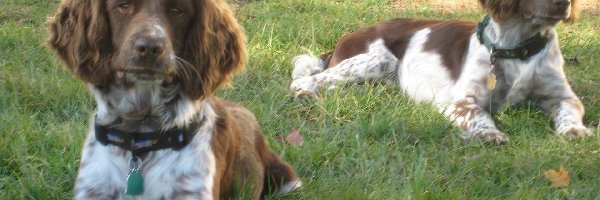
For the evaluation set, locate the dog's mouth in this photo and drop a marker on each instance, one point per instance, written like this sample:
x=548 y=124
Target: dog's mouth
x=136 y=70
x=544 y=18
x=143 y=75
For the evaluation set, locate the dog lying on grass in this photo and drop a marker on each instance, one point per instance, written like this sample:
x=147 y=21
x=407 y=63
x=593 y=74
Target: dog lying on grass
x=466 y=70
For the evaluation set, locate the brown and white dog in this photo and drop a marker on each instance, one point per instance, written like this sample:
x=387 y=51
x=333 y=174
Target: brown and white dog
x=158 y=132
x=467 y=70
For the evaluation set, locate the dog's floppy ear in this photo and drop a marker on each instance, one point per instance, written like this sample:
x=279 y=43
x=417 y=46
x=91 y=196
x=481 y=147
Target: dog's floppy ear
x=79 y=33
x=215 y=48
x=500 y=10
x=574 y=12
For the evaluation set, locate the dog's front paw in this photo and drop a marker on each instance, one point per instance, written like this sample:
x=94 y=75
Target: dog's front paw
x=304 y=88
x=491 y=136
x=573 y=132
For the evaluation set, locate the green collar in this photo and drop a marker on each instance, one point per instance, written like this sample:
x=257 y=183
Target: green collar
x=523 y=51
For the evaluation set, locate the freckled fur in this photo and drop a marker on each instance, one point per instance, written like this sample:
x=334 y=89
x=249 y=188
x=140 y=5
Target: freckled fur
x=168 y=86
x=443 y=62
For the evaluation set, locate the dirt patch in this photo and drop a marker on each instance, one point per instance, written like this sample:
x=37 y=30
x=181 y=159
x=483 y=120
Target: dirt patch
x=453 y=6
x=444 y=6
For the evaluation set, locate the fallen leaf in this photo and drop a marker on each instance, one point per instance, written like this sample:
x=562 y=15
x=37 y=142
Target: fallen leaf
x=295 y=138
x=558 y=178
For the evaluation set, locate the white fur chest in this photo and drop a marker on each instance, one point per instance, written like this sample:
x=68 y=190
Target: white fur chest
x=518 y=79
x=168 y=174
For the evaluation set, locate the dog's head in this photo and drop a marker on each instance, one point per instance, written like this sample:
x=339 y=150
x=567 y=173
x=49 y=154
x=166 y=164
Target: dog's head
x=542 y=12
x=197 y=44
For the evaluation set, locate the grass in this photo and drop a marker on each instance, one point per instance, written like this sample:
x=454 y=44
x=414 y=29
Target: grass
x=361 y=142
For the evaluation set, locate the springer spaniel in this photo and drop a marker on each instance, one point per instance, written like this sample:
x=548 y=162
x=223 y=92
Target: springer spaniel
x=466 y=70
x=158 y=132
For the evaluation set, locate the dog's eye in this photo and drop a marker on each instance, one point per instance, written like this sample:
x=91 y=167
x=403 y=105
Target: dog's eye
x=175 y=11
x=124 y=6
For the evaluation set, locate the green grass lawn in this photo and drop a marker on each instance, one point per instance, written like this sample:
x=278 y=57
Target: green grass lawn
x=360 y=142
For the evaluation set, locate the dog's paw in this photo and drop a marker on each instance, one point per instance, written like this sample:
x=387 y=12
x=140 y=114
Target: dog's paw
x=304 y=88
x=305 y=97
x=491 y=136
x=288 y=187
x=574 y=132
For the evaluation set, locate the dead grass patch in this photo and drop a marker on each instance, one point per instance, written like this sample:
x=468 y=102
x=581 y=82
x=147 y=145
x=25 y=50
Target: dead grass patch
x=454 y=6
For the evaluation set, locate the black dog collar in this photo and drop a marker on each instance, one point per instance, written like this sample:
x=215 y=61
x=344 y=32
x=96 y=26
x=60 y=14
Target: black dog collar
x=141 y=143
x=523 y=51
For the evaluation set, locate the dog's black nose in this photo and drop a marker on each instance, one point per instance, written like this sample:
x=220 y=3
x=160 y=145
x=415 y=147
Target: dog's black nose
x=562 y=3
x=149 y=46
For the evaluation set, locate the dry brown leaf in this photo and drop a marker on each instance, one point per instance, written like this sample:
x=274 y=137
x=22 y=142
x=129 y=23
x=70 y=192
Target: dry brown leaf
x=558 y=178
x=295 y=138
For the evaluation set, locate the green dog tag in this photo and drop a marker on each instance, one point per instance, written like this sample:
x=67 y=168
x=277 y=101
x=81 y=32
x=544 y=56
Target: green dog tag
x=135 y=183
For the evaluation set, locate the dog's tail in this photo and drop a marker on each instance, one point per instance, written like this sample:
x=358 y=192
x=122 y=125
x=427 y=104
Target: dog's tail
x=308 y=64
x=280 y=178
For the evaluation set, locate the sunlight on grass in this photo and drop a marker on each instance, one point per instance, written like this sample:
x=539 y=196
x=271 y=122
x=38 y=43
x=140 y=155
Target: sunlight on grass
x=457 y=6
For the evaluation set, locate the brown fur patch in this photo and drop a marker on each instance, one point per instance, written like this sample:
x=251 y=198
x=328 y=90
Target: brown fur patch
x=575 y=10
x=79 y=34
x=243 y=154
x=453 y=51
x=396 y=34
x=500 y=10
x=216 y=46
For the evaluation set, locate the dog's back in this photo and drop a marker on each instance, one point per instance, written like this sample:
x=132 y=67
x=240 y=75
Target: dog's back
x=253 y=157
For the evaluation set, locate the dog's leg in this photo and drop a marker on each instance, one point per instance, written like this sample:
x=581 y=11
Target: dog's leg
x=560 y=102
x=375 y=64
x=474 y=121
x=248 y=181
x=567 y=116
x=280 y=178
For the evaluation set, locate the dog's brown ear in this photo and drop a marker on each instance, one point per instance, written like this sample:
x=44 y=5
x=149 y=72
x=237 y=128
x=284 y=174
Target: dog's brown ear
x=80 y=34
x=574 y=12
x=500 y=10
x=215 y=47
